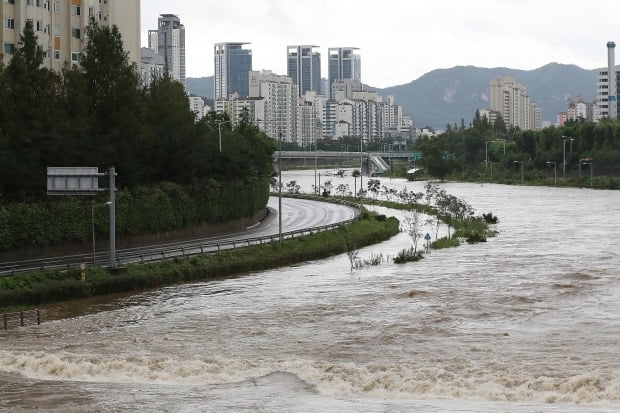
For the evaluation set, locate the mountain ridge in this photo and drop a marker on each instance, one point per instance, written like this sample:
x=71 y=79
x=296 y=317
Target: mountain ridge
x=447 y=95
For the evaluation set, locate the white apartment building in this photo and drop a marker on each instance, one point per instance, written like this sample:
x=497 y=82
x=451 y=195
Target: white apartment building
x=281 y=105
x=60 y=26
x=198 y=106
x=510 y=99
x=234 y=106
x=579 y=110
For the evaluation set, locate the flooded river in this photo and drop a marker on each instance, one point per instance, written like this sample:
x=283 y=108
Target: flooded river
x=527 y=322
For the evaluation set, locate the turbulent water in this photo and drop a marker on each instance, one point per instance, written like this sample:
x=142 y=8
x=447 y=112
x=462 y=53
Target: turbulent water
x=527 y=322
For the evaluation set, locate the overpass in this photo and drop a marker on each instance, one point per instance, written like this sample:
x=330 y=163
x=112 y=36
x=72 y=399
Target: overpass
x=373 y=162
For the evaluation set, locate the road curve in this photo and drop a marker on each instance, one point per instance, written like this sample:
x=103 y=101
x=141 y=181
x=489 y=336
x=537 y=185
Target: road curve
x=297 y=215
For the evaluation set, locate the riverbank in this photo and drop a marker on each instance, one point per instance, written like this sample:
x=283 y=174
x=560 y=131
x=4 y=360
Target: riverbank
x=32 y=289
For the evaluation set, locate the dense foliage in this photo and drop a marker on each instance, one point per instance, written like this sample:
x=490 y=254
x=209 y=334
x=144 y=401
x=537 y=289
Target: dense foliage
x=462 y=151
x=99 y=115
x=148 y=209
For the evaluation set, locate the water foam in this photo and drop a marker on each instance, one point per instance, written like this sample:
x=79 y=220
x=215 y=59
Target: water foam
x=403 y=381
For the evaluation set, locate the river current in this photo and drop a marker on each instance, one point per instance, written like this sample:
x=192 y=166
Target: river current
x=526 y=322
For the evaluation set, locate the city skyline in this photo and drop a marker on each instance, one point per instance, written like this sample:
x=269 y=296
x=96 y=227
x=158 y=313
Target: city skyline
x=519 y=35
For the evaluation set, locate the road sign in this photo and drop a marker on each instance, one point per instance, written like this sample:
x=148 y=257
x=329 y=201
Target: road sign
x=427 y=236
x=73 y=181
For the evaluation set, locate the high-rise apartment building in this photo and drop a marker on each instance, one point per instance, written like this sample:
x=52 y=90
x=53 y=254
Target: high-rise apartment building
x=281 y=104
x=510 y=99
x=169 y=41
x=233 y=64
x=345 y=66
x=60 y=26
x=607 y=87
x=304 y=67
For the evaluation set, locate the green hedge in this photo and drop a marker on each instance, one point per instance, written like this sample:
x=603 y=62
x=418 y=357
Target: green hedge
x=52 y=286
x=149 y=209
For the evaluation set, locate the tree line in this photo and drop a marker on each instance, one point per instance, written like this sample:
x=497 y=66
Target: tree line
x=470 y=150
x=98 y=114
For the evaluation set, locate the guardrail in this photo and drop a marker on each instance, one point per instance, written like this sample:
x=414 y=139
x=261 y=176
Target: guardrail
x=148 y=254
x=20 y=319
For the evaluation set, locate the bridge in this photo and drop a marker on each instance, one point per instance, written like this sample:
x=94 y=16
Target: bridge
x=373 y=162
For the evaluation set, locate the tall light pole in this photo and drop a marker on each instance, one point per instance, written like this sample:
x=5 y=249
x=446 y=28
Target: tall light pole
x=564 y=153
x=555 y=172
x=280 y=185
x=92 y=227
x=486 y=156
x=219 y=130
x=521 y=170
x=112 y=204
x=316 y=189
x=361 y=165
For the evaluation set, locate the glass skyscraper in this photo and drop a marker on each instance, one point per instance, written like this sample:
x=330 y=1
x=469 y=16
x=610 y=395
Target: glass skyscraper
x=232 y=66
x=344 y=65
x=304 y=67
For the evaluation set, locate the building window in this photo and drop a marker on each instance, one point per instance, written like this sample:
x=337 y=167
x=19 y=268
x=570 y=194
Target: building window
x=57 y=54
x=75 y=33
x=56 y=7
x=40 y=25
x=39 y=3
x=9 y=48
x=75 y=10
x=29 y=2
x=9 y=23
x=9 y=1
x=75 y=57
x=56 y=30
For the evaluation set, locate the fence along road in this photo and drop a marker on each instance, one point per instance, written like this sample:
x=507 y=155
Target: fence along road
x=299 y=217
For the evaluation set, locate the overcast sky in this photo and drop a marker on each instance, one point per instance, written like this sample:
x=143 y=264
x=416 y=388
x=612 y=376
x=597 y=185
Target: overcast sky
x=399 y=40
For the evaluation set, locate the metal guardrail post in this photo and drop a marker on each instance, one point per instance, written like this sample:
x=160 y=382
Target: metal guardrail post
x=21 y=318
x=38 y=317
x=5 y=322
x=218 y=246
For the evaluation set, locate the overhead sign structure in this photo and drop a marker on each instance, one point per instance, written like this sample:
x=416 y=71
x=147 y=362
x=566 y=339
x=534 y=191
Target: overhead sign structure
x=73 y=181
x=85 y=181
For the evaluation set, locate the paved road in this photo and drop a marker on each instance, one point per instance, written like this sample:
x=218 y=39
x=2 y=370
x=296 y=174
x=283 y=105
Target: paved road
x=297 y=215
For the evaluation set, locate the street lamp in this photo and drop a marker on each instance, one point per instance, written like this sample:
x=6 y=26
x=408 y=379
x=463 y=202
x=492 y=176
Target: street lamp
x=564 y=153
x=555 y=172
x=92 y=226
x=521 y=170
x=219 y=130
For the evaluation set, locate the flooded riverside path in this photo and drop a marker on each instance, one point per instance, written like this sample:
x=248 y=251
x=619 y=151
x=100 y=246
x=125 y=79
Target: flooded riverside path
x=527 y=322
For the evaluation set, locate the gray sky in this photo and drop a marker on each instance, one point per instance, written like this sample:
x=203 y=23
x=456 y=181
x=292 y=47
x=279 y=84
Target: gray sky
x=399 y=40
